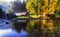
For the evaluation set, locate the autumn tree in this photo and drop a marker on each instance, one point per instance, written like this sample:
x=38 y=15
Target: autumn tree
x=57 y=12
x=41 y=7
x=32 y=7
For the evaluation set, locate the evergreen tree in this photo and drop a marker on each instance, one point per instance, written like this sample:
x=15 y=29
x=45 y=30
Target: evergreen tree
x=19 y=7
x=2 y=14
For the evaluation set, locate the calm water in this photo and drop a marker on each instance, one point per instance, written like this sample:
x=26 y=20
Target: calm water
x=30 y=28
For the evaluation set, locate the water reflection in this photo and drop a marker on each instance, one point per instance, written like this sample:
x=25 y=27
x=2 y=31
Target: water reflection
x=31 y=28
x=19 y=25
x=43 y=28
x=17 y=29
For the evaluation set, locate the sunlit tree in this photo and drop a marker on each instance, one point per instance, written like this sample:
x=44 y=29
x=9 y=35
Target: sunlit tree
x=41 y=7
x=32 y=7
x=57 y=12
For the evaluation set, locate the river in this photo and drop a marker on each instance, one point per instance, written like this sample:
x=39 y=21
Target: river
x=34 y=28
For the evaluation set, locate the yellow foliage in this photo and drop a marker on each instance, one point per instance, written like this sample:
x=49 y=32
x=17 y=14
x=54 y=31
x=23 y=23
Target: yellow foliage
x=32 y=6
x=41 y=6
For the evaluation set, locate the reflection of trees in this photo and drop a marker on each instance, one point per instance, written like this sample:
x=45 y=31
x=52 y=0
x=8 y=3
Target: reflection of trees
x=35 y=28
x=31 y=24
x=18 y=26
x=48 y=28
x=57 y=27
